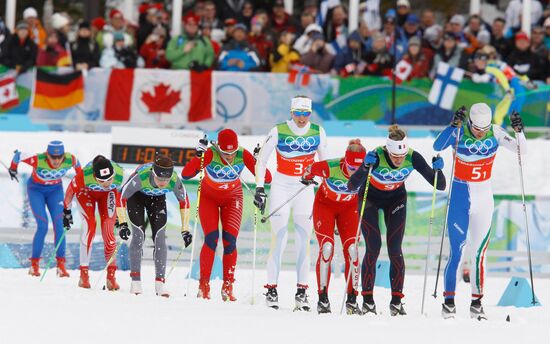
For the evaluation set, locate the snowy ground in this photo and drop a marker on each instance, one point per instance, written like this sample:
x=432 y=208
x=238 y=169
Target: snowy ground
x=57 y=311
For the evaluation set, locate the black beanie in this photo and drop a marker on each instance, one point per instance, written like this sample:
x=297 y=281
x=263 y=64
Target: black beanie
x=103 y=169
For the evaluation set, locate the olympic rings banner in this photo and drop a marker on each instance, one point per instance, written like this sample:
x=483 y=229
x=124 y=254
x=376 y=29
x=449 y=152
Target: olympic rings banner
x=253 y=102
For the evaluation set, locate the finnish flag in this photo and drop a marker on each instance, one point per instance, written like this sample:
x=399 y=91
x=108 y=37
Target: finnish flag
x=445 y=86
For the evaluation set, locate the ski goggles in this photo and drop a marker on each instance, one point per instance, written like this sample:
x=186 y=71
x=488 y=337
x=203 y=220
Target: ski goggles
x=477 y=128
x=303 y=113
x=164 y=174
x=55 y=157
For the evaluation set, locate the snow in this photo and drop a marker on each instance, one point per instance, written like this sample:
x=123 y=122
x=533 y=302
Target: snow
x=57 y=311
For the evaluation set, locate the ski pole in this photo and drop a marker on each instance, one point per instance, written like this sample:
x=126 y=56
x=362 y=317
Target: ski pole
x=7 y=168
x=111 y=258
x=255 y=229
x=429 y=243
x=54 y=253
x=265 y=218
x=357 y=234
x=533 y=300
x=445 y=224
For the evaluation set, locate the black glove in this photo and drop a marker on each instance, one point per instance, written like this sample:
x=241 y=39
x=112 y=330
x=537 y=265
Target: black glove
x=458 y=117
x=187 y=238
x=67 y=219
x=307 y=182
x=197 y=67
x=124 y=231
x=202 y=146
x=257 y=150
x=13 y=174
x=516 y=121
x=260 y=199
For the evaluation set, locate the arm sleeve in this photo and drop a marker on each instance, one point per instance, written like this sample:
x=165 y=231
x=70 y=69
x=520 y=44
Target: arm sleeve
x=446 y=138
x=322 y=150
x=499 y=75
x=181 y=194
x=420 y=164
x=319 y=169
x=173 y=50
x=359 y=177
x=508 y=141
x=263 y=157
x=250 y=163
x=193 y=167
x=132 y=186
x=76 y=165
x=19 y=157
x=69 y=193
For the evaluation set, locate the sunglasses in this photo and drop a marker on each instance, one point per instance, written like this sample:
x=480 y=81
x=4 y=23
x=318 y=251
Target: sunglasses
x=56 y=157
x=162 y=179
x=301 y=113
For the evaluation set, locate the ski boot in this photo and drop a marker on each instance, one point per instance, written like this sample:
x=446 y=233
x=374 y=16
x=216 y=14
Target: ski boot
x=159 y=288
x=302 y=303
x=271 y=297
x=204 y=290
x=476 y=310
x=61 y=271
x=351 y=305
x=111 y=283
x=135 y=288
x=227 y=291
x=84 y=281
x=323 y=305
x=34 y=270
x=449 y=310
x=397 y=309
x=369 y=307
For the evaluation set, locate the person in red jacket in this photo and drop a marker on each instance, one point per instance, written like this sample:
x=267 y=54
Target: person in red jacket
x=417 y=57
x=153 y=50
x=335 y=204
x=221 y=199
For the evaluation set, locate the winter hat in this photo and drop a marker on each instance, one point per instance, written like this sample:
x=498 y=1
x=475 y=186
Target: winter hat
x=484 y=37
x=240 y=26
x=300 y=103
x=59 y=20
x=227 y=141
x=163 y=167
x=84 y=25
x=118 y=36
x=191 y=18
x=56 y=148
x=115 y=12
x=480 y=116
x=98 y=23
x=22 y=26
x=30 y=12
x=521 y=35
x=458 y=19
x=412 y=19
x=103 y=168
x=414 y=40
x=313 y=28
x=404 y=3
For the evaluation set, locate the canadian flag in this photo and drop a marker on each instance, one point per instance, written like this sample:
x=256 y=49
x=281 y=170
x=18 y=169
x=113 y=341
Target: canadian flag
x=402 y=71
x=8 y=92
x=159 y=96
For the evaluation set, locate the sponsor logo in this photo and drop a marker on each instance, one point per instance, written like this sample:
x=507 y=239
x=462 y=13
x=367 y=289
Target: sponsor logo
x=399 y=207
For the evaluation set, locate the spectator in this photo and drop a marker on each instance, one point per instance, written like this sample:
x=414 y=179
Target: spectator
x=417 y=59
x=147 y=25
x=20 y=52
x=547 y=32
x=318 y=58
x=432 y=39
x=388 y=29
x=118 y=55
x=311 y=7
x=476 y=29
x=403 y=11
x=502 y=44
x=247 y=13
x=260 y=43
x=53 y=54
x=514 y=12
x=190 y=50
x=281 y=20
x=267 y=30
x=238 y=55
x=364 y=33
x=284 y=56
x=303 y=43
x=229 y=9
x=351 y=60
x=379 y=60
x=60 y=23
x=105 y=38
x=427 y=20
x=336 y=29
x=153 y=50
x=466 y=41
x=449 y=52
x=228 y=24
x=369 y=13
x=36 y=31
x=210 y=19
x=214 y=35
x=523 y=60
x=85 y=50
x=411 y=28
x=5 y=37
x=537 y=44
x=306 y=19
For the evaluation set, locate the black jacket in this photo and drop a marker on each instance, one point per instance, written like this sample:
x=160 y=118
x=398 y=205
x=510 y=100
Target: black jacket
x=20 y=53
x=85 y=50
x=526 y=63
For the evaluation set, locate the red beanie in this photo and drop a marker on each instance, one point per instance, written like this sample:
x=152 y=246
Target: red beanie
x=521 y=35
x=228 y=141
x=98 y=23
x=115 y=12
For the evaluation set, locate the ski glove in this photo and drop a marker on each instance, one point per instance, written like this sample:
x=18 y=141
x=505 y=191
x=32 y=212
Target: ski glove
x=13 y=174
x=306 y=181
x=260 y=199
x=371 y=158
x=458 y=117
x=124 y=231
x=67 y=219
x=202 y=146
x=517 y=122
x=437 y=163
x=187 y=238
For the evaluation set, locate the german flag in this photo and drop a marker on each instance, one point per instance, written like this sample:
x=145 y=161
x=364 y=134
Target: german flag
x=58 y=91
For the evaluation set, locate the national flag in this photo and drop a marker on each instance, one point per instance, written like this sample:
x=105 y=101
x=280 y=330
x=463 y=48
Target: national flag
x=402 y=71
x=299 y=74
x=159 y=96
x=445 y=86
x=8 y=92
x=58 y=91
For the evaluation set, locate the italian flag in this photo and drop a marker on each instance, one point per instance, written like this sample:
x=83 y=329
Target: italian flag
x=159 y=96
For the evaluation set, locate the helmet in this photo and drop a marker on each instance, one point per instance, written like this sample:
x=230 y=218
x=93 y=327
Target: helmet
x=228 y=141
x=480 y=116
x=102 y=167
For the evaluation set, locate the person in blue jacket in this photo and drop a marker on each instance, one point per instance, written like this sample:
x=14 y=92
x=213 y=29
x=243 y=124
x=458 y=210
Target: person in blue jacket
x=238 y=55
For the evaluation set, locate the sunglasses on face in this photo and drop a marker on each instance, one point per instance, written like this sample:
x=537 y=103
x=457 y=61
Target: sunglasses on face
x=56 y=157
x=302 y=113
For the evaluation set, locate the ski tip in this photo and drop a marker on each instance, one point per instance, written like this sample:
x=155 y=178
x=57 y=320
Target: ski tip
x=508 y=318
x=103 y=287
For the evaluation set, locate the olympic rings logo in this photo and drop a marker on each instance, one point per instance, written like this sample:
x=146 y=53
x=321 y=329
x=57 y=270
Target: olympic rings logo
x=155 y=192
x=478 y=146
x=96 y=187
x=51 y=174
x=300 y=143
x=339 y=185
x=226 y=172
x=394 y=175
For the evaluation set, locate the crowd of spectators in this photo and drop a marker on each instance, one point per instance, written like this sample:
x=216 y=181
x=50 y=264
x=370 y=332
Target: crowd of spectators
x=236 y=36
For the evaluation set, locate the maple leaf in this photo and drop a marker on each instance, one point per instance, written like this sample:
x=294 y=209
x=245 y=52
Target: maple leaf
x=162 y=99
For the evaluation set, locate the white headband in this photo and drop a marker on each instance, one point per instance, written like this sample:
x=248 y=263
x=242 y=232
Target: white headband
x=300 y=103
x=397 y=148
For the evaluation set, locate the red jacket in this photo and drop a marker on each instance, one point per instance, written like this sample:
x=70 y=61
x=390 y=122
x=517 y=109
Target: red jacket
x=420 y=66
x=150 y=53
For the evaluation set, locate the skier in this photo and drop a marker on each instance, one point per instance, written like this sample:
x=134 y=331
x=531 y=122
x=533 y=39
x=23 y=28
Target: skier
x=99 y=182
x=296 y=141
x=221 y=199
x=471 y=204
x=45 y=188
x=334 y=205
x=146 y=191
x=391 y=165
